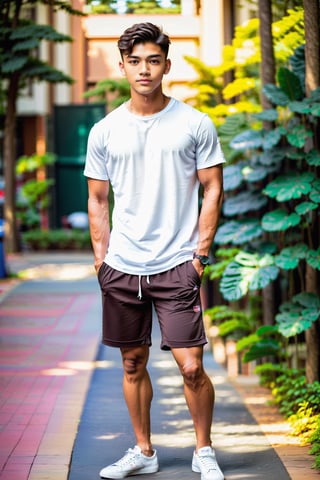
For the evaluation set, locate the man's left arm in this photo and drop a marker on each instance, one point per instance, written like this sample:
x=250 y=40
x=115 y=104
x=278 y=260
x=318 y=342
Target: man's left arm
x=211 y=179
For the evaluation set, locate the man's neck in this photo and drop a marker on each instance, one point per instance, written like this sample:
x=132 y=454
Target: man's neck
x=145 y=105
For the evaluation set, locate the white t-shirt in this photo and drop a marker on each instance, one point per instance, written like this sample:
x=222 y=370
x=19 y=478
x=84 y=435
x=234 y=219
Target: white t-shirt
x=151 y=163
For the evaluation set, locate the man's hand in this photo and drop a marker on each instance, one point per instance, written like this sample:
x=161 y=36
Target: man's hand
x=199 y=268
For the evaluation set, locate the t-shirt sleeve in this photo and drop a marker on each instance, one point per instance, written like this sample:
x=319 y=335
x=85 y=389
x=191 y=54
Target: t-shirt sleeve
x=208 y=148
x=96 y=166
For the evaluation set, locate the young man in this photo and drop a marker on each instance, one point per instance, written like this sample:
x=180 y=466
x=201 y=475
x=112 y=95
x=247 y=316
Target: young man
x=155 y=151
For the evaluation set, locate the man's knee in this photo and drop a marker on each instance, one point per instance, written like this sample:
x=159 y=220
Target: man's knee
x=193 y=374
x=134 y=361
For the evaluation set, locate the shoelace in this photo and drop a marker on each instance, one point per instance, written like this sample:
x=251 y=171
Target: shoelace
x=127 y=458
x=208 y=462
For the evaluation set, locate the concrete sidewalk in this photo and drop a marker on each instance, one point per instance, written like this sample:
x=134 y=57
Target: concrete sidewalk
x=62 y=412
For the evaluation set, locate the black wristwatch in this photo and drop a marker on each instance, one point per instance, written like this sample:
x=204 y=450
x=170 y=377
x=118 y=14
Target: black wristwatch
x=204 y=260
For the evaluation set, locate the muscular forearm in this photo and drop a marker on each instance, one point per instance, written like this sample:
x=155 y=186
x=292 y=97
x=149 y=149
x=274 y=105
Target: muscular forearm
x=98 y=212
x=208 y=219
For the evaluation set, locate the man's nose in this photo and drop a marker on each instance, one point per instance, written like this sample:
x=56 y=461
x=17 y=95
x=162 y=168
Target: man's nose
x=144 y=68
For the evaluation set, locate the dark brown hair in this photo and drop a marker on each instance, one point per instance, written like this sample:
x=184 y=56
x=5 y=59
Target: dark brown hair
x=143 y=33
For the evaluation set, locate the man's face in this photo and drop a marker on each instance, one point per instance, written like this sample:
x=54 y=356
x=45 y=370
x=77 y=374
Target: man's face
x=144 y=67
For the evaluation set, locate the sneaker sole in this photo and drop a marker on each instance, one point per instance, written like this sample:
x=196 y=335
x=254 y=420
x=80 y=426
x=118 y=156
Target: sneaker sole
x=141 y=471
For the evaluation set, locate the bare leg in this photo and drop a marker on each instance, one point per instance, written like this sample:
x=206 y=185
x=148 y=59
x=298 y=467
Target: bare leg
x=198 y=390
x=138 y=393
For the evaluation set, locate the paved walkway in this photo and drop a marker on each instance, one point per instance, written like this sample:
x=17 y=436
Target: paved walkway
x=61 y=409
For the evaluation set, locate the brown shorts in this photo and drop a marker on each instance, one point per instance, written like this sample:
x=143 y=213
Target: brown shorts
x=127 y=302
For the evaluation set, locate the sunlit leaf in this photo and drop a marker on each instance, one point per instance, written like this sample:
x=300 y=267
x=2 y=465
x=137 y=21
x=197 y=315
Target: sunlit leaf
x=294 y=185
x=289 y=257
x=279 y=220
x=247 y=140
x=305 y=207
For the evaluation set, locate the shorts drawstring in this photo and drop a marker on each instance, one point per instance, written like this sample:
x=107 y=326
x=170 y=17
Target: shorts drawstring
x=140 y=288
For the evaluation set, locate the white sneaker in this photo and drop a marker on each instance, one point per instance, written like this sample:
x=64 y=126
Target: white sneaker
x=205 y=462
x=134 y=462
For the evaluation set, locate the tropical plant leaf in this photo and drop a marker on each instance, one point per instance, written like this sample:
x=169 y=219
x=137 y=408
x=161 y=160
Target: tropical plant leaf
x=271 y=115
x=238 y=232
x=313 y=158
x=299 y=107
x=298 y=65
x=289 y=257
x=272 y=157
x=243 y=202
x=298 y=135
x=307 y=299
x=248 y=139
x=276 y=95
x=14 y=64
x=271 y=139
x=294 y=322
x=232 y=177
x=255 y=174
x=294 y=185
x=290 y=83
x=315 y=109
x=313 y=258
x=253 y=273
x=264 y=348
x=305 y=207
x=279 y=220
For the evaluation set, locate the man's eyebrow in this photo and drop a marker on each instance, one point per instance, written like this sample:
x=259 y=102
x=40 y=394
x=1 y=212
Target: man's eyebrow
x=156 y=55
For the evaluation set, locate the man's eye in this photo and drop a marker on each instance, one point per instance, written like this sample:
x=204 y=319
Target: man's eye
x=154 y=62
x=133 y=62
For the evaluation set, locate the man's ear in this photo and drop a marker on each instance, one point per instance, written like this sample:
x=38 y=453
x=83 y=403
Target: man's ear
x=168 y=66
x=121 y=67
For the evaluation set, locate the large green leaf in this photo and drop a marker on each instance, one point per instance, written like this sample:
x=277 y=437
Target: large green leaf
x=313 y=258
x=264 y=348
x=243 y=202
x=307 y=299
x=299 y=107
x=315 y=109
x=255 y=174
x=294 y=185
x=232 y=177
x=305 y=207
x=290 y=83
x=298 y=64
x=14 y=64
x=238 y=232
x=279 y=220
x=247 y=140
x=298 y=135
x=292 y=322
x=253 y=273
x=313 y=158
x=276 y=95
x=289 y=257
x=270 y=115
x=272 y=157
x=271 y=139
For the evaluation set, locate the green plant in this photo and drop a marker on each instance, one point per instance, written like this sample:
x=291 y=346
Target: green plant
x=33 y=196
x=57 y=239
x=315 y=441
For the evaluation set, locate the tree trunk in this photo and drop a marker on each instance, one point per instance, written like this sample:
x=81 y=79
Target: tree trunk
x=9 y=159
x=312 y=53
x=267 y=68
x=266 y=44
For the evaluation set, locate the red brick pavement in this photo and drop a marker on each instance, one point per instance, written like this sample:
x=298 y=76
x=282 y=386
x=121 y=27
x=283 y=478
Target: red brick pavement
x=46 y=358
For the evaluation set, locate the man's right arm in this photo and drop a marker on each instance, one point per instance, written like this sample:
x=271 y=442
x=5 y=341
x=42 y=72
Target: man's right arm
x=98 y=213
